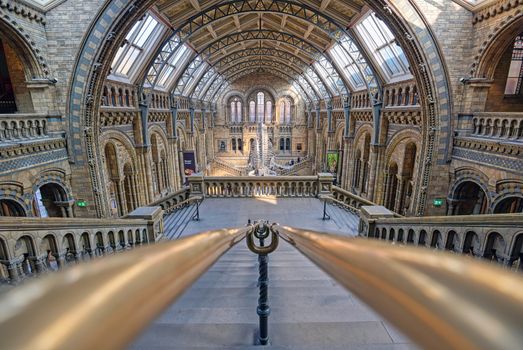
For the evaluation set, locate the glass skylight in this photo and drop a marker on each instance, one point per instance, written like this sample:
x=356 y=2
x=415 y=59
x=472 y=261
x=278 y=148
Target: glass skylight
x=140 y=37
x=381 y=43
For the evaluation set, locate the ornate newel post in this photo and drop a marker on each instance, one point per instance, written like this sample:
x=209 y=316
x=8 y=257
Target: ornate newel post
x=325 y=184
x=154 y=217
x=196 y=186
x=369 y=215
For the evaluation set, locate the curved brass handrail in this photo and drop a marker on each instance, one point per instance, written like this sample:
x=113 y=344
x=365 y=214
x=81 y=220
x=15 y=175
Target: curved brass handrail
x=440 y=300
x=105 y=303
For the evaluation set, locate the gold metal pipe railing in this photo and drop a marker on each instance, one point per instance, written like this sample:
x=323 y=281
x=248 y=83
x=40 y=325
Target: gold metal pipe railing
x=105 y=303
x=440 y=300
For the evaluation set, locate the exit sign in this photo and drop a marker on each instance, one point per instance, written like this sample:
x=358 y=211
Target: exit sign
x=438 y=202
x=81 y=203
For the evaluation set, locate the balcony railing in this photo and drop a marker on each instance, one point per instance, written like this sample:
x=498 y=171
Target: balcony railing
x=496 y=237
x=497 y=125
x=260 y=186
x=20 y=127
x=439 y=300
x=30 y=246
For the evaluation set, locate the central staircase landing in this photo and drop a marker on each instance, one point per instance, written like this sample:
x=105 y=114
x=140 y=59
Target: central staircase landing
x=308 y=309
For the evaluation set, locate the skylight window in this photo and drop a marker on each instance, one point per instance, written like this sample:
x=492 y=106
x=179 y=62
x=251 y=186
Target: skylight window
x=135 y=45
x=173 y=66
x=383 y=46
x=515 y=72
x=348 y=67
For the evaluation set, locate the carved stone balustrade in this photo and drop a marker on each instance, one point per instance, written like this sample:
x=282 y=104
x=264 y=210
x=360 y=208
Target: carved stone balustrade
x=21 y=127
x=30 y=246
x=260 y=186
x=495 y=125
x=496 y=237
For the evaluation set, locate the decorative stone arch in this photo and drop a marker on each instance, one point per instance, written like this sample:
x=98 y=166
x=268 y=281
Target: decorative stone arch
x=501 y=197
x=470 y=174
x=116 y=18
x=338 y=135
x=35 y=65
x=156 y=129
x=252 y=91
x=458 y=182
x=230 y=94
x=56 y=176
x=400 y=137
x=14 y=191
x=125 y=140
x=501 y=36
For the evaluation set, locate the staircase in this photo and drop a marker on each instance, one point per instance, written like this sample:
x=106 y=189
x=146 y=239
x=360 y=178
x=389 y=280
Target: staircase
x=303 y=164
x=227 y=168
x=308 y=309
x=175 y=223
x=343 y=219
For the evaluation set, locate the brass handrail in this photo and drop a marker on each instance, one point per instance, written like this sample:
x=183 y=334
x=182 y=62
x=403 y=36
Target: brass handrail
x=440 y=300
x=105 y=303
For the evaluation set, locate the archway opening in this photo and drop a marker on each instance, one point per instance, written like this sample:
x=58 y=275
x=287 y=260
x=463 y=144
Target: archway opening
x=470 y=199
x=51 y=201
x=10 y=207
x=509 y=205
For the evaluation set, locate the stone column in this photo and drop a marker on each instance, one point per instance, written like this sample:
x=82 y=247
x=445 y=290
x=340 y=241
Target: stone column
x=13 y=269
x=386 y=190
x=376 y=156
x=123 y=201
x=399 y=194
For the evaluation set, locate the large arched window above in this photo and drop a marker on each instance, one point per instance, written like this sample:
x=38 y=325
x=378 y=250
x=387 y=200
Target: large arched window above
x=252 y=111
x=136 y=45
x=268 y=112
x=285 y=111
x=515 y=72
x=235 y=110
x=260 y=106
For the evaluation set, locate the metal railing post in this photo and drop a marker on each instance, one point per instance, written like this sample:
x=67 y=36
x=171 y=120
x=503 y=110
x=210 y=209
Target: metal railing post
x=325 y=215
x=261 y=231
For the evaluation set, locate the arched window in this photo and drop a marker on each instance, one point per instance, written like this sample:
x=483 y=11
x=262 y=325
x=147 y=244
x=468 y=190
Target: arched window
x=252 y=111
x=260 y=106
x=282 y=112
x=234 y=144
x=233 y=111
x=236 y=110
x=287 y=112
x=268 y=112
x=239 y=116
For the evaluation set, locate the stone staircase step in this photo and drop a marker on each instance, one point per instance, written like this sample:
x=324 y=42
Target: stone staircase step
x=299 y=335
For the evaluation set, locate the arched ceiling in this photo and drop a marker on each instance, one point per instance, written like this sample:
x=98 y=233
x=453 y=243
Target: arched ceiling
x=292 y=37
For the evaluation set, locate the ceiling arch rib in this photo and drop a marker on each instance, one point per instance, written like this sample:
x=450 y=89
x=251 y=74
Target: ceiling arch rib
x=270 y=36
x=233 y=8
x=307 y=94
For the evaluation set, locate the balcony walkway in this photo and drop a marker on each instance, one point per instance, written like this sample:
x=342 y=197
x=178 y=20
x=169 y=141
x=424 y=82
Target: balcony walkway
x=308 y=309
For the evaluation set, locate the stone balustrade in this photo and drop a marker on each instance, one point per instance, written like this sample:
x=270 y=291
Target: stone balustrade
x=20 y=127
x=498 y=125
x=29 y=246
x=494 y=237
x=172 y=201
x=349 y=198
x=260 y=186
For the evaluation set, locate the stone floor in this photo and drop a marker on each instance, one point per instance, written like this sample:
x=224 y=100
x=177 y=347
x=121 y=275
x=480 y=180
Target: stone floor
x=308 y=309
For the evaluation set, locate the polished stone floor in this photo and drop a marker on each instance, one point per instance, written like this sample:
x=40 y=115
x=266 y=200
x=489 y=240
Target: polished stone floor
x=309 y=310
x=298 y=212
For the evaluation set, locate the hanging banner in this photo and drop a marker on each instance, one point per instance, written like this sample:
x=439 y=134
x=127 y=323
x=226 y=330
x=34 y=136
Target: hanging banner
x=332 y=162
x=189 y=163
